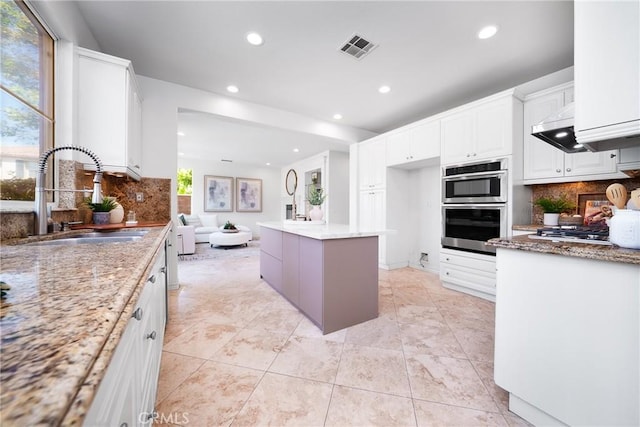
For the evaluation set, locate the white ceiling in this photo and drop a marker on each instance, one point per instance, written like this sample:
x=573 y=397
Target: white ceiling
x=428 y=53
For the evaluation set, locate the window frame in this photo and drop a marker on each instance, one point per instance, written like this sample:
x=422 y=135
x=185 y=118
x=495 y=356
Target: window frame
x=47 y=44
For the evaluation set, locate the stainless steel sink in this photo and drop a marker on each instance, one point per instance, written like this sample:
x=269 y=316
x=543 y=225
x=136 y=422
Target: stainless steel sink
x=96 y=237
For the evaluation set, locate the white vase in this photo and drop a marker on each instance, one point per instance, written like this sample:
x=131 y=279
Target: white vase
x=316 y=213
x=551 y=218
x=116 y=215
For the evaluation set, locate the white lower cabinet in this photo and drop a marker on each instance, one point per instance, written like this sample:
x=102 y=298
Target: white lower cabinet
x=127 y=392
x=567 y=338
x=468 y=272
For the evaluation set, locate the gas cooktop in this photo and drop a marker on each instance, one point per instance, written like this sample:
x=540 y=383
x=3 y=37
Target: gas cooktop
x=598 y=235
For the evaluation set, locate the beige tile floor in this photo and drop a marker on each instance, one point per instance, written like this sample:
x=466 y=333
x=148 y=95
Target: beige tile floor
x=237 y=353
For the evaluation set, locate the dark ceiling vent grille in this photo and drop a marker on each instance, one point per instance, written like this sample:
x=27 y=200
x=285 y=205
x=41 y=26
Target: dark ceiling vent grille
x=357 y=47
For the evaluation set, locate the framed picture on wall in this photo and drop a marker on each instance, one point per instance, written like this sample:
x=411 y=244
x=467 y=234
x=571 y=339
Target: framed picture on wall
x=248 y=195
x=218 y=193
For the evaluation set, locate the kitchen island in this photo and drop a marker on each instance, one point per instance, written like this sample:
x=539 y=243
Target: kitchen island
x=567 y=342
x=64 y=317
x=329 y=272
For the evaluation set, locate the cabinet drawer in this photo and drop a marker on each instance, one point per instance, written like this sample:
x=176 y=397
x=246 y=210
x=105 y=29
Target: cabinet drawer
x=271 y=270
x=468 y=262
x=468 y=278
x=271 y=242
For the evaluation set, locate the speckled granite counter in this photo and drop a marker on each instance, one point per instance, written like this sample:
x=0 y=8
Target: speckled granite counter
x=527 y=227
x=63 y=317
x=580 y=250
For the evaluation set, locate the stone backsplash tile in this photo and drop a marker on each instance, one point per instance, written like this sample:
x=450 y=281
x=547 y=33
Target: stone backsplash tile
x=573 y=189
x=156 y=206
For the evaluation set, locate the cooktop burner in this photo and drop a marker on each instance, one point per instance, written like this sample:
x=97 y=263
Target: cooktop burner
x=576 y=234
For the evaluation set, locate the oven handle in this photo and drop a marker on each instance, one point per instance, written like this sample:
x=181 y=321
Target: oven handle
x=474 y=205
x=499 y=173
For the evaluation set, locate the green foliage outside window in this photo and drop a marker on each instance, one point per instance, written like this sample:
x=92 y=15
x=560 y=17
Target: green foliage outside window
x=185 y=181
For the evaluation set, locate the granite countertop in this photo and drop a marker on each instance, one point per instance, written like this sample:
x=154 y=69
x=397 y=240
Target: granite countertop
x=320 y=231
x=611 y=253
x=527 y=227
x=61 y=320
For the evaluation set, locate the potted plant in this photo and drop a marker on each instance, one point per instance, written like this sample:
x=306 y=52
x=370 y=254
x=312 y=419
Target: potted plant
x=229 y=227
x=316 y=197
x=101 y=211
x=552 y=207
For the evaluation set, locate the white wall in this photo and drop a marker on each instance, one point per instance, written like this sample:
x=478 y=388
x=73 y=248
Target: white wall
x=334 y=168
x=425 y=212
x=270 y=190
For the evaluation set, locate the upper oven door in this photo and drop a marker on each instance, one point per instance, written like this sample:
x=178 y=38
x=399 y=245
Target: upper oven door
x=482 y=187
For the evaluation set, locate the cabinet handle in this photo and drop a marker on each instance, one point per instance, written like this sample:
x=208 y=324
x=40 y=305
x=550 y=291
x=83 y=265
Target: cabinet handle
x=447 y=258
x=163 y=270
x=468 y=155
x=612 y=155
x=558 y=170
x=124 y=425
x=152 y=279
x=152 y=335
x=136 y=166
x=568 y=169
x=137 y=314
x=447 y=273
x=475 y=154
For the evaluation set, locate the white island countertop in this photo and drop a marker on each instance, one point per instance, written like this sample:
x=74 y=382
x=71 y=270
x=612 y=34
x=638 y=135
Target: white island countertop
x=321 y=231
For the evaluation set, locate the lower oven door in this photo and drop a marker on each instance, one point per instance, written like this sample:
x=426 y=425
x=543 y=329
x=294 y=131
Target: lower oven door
x=468 y=227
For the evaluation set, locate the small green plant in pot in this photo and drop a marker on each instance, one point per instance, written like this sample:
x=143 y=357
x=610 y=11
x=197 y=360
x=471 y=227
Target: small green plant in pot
x=229 y=227
x=552 y=207
x=316 y=197
x=101 y=210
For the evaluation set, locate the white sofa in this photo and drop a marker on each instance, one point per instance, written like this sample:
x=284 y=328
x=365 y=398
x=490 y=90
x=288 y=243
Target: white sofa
x=203 y=224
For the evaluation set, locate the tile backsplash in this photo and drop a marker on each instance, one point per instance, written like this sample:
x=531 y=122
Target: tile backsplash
x=572 y=190
x=156 y=206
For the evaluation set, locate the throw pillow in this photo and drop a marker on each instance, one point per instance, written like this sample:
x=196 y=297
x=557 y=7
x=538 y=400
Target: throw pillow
x=209 y=220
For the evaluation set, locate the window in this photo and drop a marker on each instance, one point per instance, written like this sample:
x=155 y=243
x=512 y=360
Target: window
x=26 y=103
x=185 y=181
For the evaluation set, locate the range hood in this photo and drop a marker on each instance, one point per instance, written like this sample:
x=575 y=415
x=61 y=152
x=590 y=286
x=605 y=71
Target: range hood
x=557 y=130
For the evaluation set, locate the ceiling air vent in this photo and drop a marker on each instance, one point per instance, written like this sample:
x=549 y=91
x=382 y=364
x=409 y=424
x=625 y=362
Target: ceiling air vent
x=357 y=47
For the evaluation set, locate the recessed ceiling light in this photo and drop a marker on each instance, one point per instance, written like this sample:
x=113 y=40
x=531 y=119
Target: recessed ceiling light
x=337 y=116
x=254 y=39
x=180 y=153
x=268 y=164
x=561 y=134
x=578 y=146
x=384 y=89
x=487 y=32
x=180 y=133
x=295 y=150
x=232 y=89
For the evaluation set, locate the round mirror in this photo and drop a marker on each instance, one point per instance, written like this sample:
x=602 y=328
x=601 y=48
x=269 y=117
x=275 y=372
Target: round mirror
x=291 y=182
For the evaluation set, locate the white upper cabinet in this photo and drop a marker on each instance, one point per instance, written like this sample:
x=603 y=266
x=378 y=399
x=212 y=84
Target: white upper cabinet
x=372 y=163
x=607 y=72
x=481 y=130
x=109 y=112
x=543 y=163
x=542 y=160
x=413 y=144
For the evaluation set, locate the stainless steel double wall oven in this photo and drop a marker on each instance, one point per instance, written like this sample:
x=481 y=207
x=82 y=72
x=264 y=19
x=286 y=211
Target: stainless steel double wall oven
x=474 y=205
